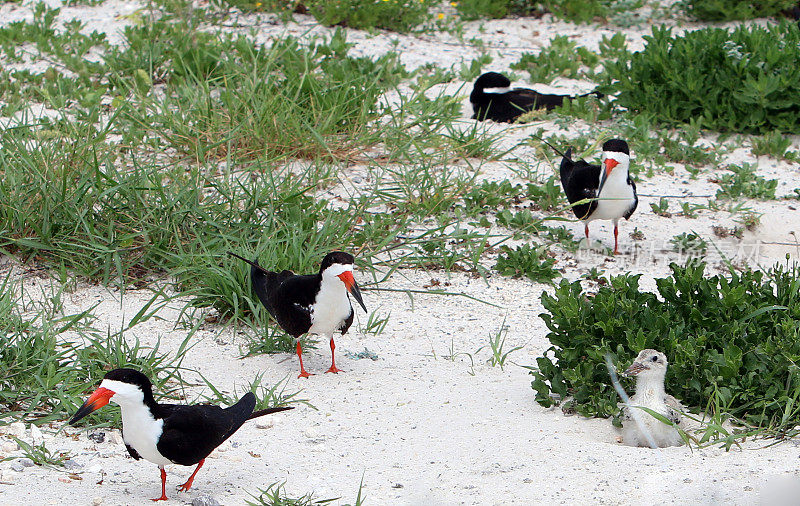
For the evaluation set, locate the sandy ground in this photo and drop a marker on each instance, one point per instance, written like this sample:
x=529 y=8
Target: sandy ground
x=429 y=422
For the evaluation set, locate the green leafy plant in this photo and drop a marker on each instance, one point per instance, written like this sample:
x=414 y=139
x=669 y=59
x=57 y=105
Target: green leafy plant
x=562 y=57
x=743 y=182
x=773 y=144
x=690 y=210
x=475 y=9
x=733 y=337
x=396 y=15
x=497 y=342
x=689 y=243
x=533 y=262
x=41 y=455
x=661 y=208
x=728 y=10
x=744 y=80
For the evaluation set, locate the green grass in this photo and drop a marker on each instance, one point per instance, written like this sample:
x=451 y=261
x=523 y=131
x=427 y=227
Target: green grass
x=44 y=376
x=275 y=495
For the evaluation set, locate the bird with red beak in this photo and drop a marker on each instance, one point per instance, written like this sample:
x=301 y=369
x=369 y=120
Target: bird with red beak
x=310 y=304
x=609 y=189
x=168 y=433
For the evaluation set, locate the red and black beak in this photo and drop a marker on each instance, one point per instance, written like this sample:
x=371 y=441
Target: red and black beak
x=609 y=163
x=352 y=287
x=97 y=400
x=635 y=369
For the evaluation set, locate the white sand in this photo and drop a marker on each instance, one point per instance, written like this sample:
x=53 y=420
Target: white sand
x=421 y=428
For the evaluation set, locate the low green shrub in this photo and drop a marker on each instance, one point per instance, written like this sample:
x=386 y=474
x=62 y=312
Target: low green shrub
x=744 y=80
x=533 y=262
x=743 y=182
x=563 y=57
x=577 y=11
x=475 y=9
x=734 y=340
x=728 y=10
x=396 y=15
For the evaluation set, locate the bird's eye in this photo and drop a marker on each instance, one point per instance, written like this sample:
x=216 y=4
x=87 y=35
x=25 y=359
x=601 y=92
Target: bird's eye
x=655 y=358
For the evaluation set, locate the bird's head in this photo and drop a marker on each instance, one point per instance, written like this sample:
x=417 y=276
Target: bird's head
x=338 y=267
x=122 y=386
x=649 y=364
x=616 y=158
x=493 y=82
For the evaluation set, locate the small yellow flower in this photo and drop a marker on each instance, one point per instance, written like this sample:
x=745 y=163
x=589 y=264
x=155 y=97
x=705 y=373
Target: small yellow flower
x=258 y=4
x=453 y=4
x=441 y=16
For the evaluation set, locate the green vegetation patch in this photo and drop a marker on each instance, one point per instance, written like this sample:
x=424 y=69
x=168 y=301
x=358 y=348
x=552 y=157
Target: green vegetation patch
x=744 y=80
x=396 y=15
x=729 y=10
x=731 y=342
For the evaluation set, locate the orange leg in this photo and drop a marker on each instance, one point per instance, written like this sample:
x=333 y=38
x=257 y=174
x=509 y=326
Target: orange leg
x=333 y=367
x=616 y=234
x=186 y=486
x=303 y=372
x=163 y=486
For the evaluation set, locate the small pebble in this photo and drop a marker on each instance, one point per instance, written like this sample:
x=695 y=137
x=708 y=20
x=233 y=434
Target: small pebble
x=97 y=501
x=115 y=438
x=70 y=464
x=7 y=476
x=205 y=500
x=64 y=480
x=311 y=433
x=17 y=466
x=95 y=469
x=266 y=422
x=36 y=435
x=97 y=437
x=26 y=462
x=16 y=429
x=9 y=446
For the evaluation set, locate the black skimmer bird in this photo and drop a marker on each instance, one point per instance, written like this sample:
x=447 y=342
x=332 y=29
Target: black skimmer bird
x=611 y=189
x=314 y=303
x=168 y=433
x=650 y=368
x=492 y=98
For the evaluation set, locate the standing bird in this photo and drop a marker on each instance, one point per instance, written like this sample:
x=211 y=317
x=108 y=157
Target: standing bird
x=314 y=303
x=650 y=367
x=492 y=98
x=611 y=188
x=168 y=433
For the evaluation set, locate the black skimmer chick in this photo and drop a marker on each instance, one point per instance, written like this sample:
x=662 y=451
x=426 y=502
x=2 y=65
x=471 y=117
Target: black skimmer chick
x=611 y=188
x=650 y=367
x=168 y=433
x=314 y=303
x=492 y=98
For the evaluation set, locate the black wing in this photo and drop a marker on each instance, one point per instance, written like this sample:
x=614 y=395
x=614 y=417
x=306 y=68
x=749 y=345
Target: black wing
x=580 y=181
x=502 y=107
x=191 y=433
x=286 y=296
x=132 y=452
x=630 y=211
x=291 y=299
x=529 y=99
x=348 y=321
